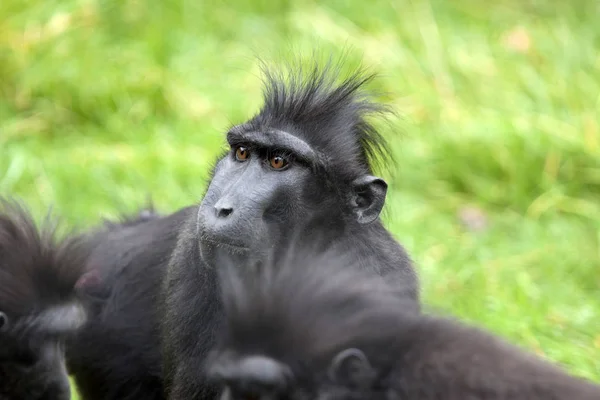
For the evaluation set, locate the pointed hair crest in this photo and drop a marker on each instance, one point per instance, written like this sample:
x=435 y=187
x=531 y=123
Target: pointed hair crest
x=332 y=116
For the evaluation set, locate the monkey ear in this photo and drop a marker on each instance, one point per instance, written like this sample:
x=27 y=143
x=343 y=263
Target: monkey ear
x=350 y=367
x=89 y=279
x=368 y=198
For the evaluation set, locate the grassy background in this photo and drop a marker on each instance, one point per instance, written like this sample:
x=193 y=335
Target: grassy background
x=105 y=102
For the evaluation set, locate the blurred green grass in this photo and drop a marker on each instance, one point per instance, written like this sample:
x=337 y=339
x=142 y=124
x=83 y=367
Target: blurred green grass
x=105 y=102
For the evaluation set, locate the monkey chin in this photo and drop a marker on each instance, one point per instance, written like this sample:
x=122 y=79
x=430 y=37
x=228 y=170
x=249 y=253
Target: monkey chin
x=216 y=247
x=215 y=252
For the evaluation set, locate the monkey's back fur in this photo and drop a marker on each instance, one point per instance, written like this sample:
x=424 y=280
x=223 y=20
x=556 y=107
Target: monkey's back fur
x=305 y=308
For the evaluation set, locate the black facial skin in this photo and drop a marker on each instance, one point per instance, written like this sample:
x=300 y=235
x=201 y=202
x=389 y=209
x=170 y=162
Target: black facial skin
x=310 y=325
x=39 y=306
x=307 y=152
x=253 y=188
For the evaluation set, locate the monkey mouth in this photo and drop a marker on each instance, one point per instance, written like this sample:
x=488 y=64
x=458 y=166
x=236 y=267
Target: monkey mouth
x=224 y=243
x=209 y=237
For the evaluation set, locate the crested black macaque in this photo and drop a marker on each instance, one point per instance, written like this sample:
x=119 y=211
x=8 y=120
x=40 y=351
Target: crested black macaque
x=310 y=325
x=308 y=150
x=39 y=305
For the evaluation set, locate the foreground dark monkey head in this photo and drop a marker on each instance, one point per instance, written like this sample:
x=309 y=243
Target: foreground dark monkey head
x=295 y=319
x=305 y=326
x=39 y=307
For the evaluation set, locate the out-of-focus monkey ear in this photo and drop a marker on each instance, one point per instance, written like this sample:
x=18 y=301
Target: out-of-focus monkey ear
x=90 y=280
x=351 y=367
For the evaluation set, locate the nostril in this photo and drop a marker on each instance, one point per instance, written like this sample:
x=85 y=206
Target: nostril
x=224 y=212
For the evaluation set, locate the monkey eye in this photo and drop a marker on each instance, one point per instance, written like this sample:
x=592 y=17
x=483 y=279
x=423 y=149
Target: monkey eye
x=3 y=321
x=242 y=153
x=278 y=161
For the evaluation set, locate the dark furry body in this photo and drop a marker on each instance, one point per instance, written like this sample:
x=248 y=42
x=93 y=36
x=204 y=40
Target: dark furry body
x=302 y=311
x=39 y=305
x=340 y=146
x=117 y=354
x=161 y=289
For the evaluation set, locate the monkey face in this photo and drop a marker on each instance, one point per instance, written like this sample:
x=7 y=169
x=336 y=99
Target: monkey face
x=39 y=305
x=256 y=193
x=253 y=377
x=32 y=363
x=348 y=376
x=271 y=181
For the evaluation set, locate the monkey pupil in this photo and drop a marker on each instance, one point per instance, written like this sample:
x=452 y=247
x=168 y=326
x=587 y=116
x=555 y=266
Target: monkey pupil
x=277 y=162
x=241 y=153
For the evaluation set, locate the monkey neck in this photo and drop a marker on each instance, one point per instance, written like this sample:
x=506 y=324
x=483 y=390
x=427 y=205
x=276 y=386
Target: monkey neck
x=372 y=244
x=375 y=248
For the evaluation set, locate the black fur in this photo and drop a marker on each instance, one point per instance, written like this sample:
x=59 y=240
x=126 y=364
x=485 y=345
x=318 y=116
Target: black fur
x=147 y=214
x=309 y=325
x=321 y=127
x=39 y=305
x=161 y=274
x=117 y=354
x=332 y=117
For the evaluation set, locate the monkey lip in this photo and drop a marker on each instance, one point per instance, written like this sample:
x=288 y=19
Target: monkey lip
x=223 y=242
